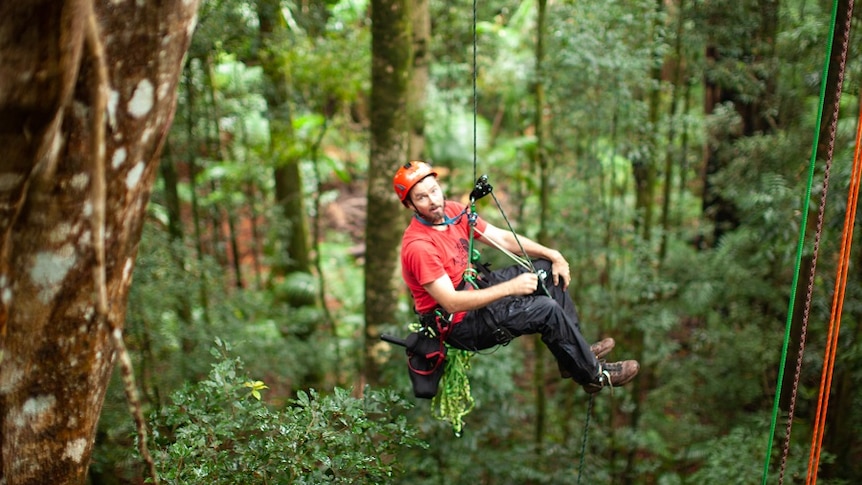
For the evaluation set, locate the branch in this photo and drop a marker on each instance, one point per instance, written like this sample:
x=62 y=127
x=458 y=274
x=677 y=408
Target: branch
x=98 y=196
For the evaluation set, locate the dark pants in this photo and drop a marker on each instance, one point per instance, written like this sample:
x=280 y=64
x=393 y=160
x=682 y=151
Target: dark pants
x=554 y=317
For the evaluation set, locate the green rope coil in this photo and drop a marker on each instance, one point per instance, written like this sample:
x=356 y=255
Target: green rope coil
x=454 y=401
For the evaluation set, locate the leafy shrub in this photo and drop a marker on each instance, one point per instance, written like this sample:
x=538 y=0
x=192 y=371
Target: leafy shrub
x=219 y=431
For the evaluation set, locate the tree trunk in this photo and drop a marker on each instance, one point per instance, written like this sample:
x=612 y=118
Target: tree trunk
x=172 y=195
x=541 y=164
x=667 y=186
x=645 y=187
x=419 y=78
x=390 y=73
x=754 y=51
x=170 y=178
x=56 y=346
x=256 y=243
x=191 y=98
x=288 y=180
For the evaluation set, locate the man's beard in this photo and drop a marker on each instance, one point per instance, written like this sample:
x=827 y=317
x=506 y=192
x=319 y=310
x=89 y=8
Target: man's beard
x=436 y=215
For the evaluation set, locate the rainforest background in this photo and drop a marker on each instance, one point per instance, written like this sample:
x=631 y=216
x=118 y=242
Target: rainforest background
x=664 y=147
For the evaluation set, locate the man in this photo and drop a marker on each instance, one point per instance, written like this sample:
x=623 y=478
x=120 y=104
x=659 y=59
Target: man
x=504 y=304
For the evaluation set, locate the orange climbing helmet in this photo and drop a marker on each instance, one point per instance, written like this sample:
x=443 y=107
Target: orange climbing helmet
x=409 y=175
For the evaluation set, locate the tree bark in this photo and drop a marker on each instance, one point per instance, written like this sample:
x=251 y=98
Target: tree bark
x=56 y=349
x=644 y=164
x=541 y=164
x=390 y=73
x=171 y=179
x=288 y=179
x=419 y=77
x=667 y=186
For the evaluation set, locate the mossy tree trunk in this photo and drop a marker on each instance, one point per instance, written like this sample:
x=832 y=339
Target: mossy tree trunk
x=390 y=75
x=288 y=179
x=541 y=165
x=419 y=77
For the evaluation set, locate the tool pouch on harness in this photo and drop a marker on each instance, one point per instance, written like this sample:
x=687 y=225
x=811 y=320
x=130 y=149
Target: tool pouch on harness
x=426 y=360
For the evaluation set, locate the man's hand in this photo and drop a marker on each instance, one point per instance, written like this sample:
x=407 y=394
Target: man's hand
x=523 y=284
x=560 y=271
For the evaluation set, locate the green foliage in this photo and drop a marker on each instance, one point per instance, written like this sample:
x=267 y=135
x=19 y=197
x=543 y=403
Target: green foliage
x=706 y=320
x=454 y=400
x=216 y=432
x=736 y=457
x=298 y=289
x=223 y=25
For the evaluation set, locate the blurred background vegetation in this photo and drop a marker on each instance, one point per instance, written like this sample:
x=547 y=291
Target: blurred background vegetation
x=663 y=147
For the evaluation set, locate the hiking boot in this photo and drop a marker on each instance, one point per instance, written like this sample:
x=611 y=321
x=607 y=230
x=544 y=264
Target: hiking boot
x=613 y=374
x=600 y=349
x=603 y=347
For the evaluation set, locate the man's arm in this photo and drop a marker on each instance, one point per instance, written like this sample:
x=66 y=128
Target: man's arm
x=454 y=301
x=507 y=240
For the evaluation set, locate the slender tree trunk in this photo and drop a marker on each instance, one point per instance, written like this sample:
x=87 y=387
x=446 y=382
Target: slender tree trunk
x=419 y=77
x=671 y=134
x=683 y=150
x=233 y=242
x=390 y=73
x=541 y=164
x=170 y=178
x=191 y=98
x=58 y=247
x=645 y=187
x=221 y=153
x=644 y=164
x=317 y=230
x=256 y=243
x=288 y=179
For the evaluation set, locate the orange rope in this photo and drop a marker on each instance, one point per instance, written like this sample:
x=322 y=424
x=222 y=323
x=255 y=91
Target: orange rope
x=837 y=308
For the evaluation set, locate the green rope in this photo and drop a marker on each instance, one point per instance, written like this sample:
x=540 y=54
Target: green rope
x=584 y=439
x=454 y=400
x=801 y=243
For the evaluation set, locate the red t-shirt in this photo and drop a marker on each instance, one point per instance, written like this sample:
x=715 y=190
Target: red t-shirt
x=427 y=254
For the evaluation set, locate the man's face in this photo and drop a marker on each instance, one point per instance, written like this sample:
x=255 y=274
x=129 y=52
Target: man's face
x=427 y=199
